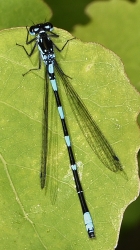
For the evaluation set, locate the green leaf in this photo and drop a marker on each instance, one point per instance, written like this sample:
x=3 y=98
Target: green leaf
x=115 y=24
x=29 y=220
x=14 y=13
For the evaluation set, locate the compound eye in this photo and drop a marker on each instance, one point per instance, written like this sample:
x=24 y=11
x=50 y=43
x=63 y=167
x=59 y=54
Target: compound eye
x=48 y=26
x=33 y=30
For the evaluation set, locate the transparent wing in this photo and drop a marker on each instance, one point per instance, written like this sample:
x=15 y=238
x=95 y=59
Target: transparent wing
x=52 y=159
x=44 y=152
x=49 y=155
x=88 y=126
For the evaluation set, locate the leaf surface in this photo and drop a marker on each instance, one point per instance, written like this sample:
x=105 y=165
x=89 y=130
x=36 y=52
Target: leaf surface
x=29 y=219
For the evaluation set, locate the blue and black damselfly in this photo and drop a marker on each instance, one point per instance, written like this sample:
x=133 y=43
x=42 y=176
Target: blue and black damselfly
x=94 y=136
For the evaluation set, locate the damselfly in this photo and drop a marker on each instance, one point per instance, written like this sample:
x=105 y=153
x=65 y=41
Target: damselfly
x=94 y=136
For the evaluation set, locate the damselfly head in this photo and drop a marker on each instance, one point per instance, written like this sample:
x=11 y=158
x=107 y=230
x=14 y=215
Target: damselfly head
x=38 y=28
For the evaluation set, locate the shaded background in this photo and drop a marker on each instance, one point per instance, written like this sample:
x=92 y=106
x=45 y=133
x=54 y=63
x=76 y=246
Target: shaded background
x=112 y=23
